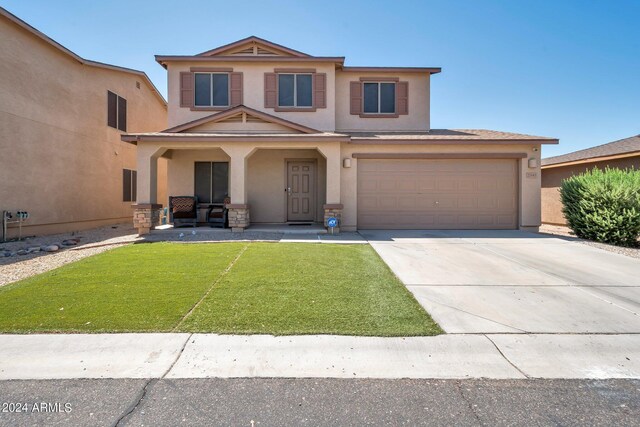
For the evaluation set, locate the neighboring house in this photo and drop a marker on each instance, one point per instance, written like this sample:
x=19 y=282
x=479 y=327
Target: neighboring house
x=61 y=118
x=292 y=137
x=622 y=154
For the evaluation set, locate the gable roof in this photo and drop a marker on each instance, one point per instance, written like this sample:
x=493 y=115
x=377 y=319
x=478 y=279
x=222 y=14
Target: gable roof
x=622 y=147
x=253 y=41
x=38 y=34
x=216 y=117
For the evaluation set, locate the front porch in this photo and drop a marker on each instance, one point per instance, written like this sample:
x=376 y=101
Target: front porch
x=277 y=172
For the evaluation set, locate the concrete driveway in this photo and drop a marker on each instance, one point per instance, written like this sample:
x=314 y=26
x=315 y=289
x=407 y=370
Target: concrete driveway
x=514 y=281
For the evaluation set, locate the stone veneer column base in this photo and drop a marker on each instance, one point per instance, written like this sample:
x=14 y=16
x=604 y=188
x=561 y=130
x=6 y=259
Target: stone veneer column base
x=239 y=217
x=146 y=216
x=333 y=210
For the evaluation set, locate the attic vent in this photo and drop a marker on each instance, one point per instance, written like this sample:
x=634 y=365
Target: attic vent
x=265 y=52
x=254 y=119
x=248 y=51
x=237 y=118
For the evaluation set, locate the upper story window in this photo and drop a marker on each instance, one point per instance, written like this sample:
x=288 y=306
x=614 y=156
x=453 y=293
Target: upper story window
x=211 y=90
x=379 y=98
x=116 y=111
x=295 y=90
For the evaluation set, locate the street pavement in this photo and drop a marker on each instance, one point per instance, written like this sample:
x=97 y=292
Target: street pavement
x=324 y=402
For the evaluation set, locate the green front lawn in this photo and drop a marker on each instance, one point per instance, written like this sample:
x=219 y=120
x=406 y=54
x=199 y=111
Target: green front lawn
x=270 y=288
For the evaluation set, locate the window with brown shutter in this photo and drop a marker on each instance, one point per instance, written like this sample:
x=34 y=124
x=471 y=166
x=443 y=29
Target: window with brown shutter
x=116 y=111
x=379 y=97
x=295 y=89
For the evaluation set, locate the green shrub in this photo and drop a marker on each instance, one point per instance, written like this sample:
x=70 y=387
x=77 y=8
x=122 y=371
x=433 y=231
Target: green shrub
x=604 y=205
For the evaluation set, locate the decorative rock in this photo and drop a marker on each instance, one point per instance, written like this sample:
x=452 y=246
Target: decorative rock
x=69 y=242
x=50 y=248
x=22 y=252
x=33 y=249
x=6 y=254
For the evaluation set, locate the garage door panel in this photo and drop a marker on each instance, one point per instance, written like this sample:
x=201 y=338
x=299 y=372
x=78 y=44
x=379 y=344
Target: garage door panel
x=465 y=194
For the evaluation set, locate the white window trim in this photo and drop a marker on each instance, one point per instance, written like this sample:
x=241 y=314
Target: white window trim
x=211 y=90
x=395 y=88
x=295 y=90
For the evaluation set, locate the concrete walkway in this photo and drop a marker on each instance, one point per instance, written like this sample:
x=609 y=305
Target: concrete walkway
x=497 y=356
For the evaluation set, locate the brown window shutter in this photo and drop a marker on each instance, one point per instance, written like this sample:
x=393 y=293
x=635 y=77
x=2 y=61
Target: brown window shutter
x=235 y=84
x=270 y=90
x=186 y=89
x=356 y=98
x=112 y=109
x=122 y=114
x=402 y=97
x=320 y=90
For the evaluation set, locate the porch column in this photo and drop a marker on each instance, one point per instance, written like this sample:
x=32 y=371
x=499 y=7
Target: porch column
x=239 y=210
x=146 y=210
x=333 y=207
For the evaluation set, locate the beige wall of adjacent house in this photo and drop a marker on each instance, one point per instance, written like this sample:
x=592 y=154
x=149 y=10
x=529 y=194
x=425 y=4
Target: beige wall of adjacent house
x=253 y=92
x=59 y=159
x=529 y=178
x=419 y=99
x=552 y=178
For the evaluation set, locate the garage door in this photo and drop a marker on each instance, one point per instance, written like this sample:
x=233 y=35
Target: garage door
x=437 y=194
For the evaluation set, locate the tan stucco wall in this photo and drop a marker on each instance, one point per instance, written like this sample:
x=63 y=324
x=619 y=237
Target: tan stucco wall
x=529 y=179
x=266 y=178
x=552 y=179
x=181 y=170
x=253 y=92
x=417 y=119
x=60 y=161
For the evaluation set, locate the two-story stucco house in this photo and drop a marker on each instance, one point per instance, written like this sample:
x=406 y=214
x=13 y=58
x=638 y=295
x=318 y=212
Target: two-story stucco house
x=61 y=120
x=291 y=137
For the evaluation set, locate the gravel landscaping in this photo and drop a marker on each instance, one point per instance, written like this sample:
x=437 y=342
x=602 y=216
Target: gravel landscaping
x=566 y=232
x=88 y=242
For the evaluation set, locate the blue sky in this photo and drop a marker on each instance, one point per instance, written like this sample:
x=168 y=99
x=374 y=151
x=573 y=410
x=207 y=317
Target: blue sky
x=566 y=69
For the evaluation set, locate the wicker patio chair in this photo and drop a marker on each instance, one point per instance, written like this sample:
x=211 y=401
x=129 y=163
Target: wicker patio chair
x=183 y=210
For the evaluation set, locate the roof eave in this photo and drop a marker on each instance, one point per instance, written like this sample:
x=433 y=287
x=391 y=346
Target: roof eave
x=445 y=141
x=591 y=160
x=42 y=36
x=164 y=59
x=430 y=70
x=136 y=138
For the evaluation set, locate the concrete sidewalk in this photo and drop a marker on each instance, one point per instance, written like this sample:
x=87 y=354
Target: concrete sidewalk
x=496 y=356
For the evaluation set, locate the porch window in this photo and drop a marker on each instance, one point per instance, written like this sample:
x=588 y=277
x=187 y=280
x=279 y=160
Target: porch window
x=211 y=89
x=211 y=181
x=129 y=185
x=295 y=90
x=379 y=98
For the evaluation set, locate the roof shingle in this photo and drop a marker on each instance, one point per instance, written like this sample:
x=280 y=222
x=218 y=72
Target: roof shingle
x=627 y=145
